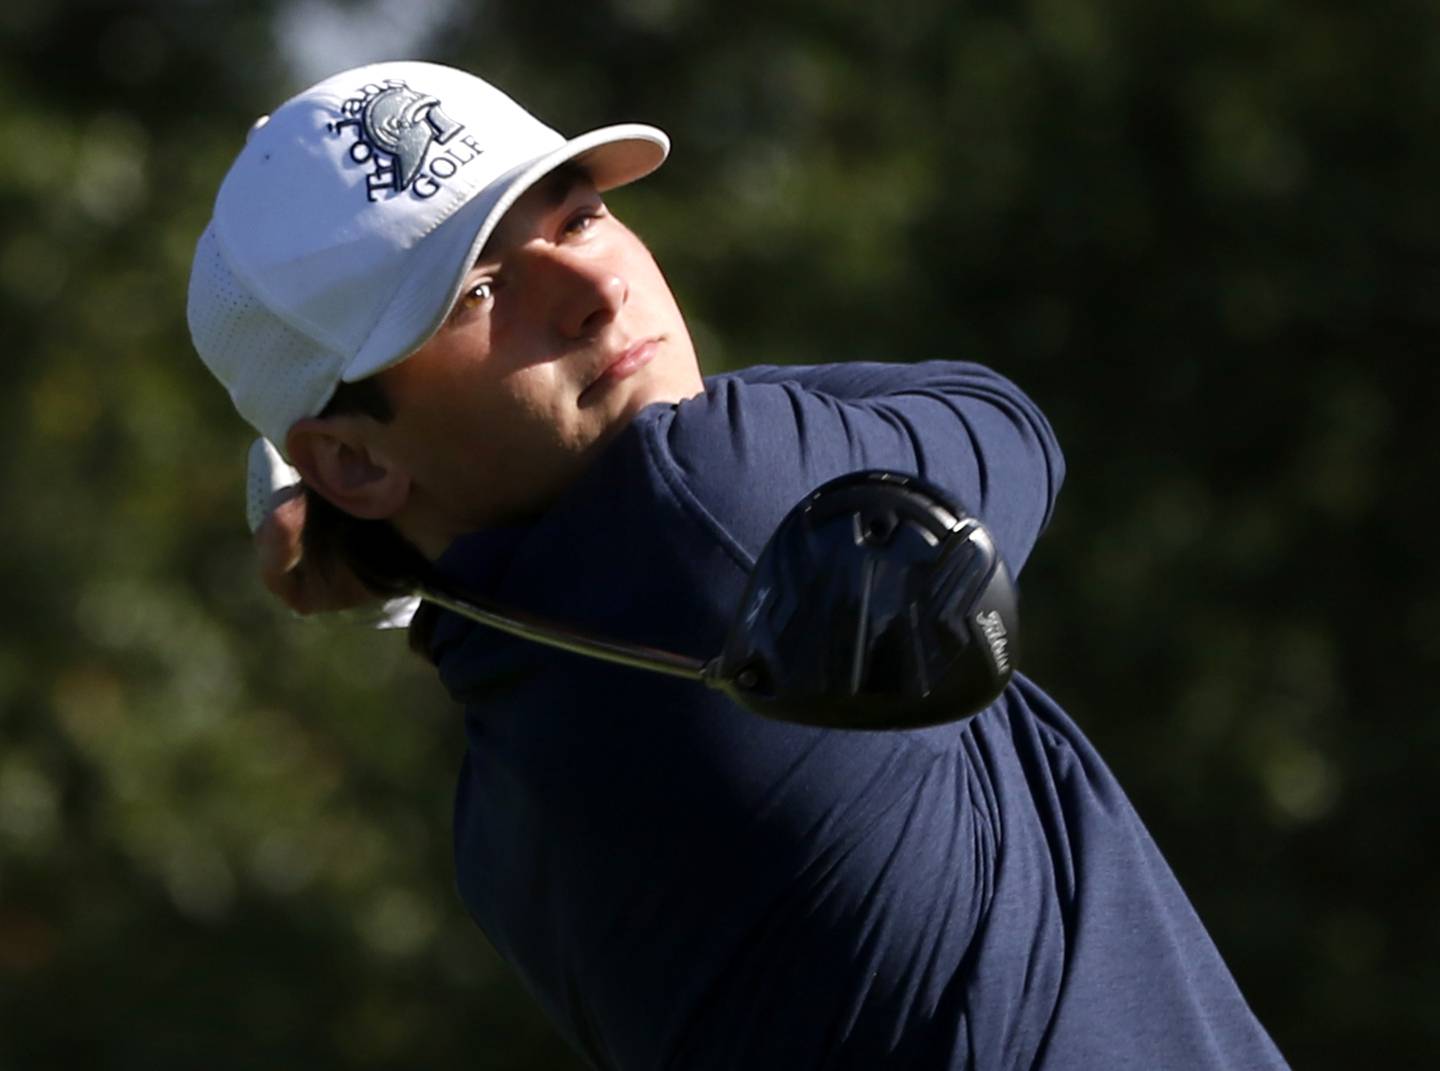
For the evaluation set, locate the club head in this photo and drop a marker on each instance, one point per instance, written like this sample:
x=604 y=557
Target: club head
x=877 y=604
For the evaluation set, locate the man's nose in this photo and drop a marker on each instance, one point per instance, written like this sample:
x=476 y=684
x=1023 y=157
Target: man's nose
x=588 y=294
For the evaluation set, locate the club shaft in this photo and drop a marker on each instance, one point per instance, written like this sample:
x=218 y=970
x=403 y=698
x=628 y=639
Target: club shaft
x=539 y=630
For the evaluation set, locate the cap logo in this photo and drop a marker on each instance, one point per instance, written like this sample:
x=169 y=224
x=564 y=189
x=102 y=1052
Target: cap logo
x=395 y=129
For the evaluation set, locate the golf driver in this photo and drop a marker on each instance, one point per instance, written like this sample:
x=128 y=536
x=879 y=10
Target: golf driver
x=878 y=603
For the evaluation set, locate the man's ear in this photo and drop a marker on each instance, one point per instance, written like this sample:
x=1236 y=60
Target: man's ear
x=336 y=457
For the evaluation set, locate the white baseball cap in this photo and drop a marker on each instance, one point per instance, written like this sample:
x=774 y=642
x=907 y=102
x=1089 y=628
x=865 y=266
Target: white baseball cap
x=346 y=225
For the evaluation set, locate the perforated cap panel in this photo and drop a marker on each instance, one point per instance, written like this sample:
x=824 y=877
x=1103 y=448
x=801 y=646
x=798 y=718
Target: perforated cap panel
x=275 y=374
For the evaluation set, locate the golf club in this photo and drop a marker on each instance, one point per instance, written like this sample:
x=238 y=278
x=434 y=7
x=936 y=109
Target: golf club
x=878 y=603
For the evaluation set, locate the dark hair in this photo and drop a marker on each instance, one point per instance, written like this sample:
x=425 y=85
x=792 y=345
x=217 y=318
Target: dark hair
x=379 y=556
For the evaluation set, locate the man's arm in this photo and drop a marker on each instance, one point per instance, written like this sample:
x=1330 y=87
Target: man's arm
x=760 y=439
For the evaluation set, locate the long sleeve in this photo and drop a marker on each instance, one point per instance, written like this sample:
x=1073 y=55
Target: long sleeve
x=759 y=440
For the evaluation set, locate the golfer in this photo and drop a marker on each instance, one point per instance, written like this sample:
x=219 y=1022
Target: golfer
x=415 y=290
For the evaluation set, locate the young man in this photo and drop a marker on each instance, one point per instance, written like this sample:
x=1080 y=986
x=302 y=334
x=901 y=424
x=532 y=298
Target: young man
x=679 y=882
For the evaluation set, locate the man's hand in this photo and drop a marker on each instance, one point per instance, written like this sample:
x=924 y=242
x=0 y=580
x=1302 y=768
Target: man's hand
x=305 y=587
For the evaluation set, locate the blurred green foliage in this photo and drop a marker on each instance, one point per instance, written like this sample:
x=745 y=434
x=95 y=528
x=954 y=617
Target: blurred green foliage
x=1205 y=237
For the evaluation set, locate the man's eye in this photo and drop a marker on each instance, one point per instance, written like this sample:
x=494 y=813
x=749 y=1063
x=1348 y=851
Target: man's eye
x=582 y=220
x=477 y=295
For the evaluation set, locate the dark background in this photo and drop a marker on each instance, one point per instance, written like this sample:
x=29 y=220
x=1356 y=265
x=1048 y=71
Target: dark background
x=1203 y=236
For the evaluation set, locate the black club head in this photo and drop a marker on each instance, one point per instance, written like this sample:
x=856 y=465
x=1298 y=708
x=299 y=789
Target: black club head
x=877 y=604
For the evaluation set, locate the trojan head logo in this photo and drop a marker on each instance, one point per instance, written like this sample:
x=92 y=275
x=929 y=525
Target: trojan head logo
x=396 y=128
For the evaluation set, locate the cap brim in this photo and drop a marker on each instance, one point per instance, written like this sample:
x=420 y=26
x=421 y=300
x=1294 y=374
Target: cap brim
x=612 y=155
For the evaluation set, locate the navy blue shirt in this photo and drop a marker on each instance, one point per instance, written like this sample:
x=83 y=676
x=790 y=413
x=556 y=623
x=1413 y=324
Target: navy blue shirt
x=683 y=884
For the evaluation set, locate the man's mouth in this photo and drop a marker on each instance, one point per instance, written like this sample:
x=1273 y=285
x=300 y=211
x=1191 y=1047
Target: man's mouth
x=621 y=366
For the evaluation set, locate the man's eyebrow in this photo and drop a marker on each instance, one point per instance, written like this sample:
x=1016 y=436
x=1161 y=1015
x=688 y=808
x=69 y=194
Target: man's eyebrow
x=560 y=183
